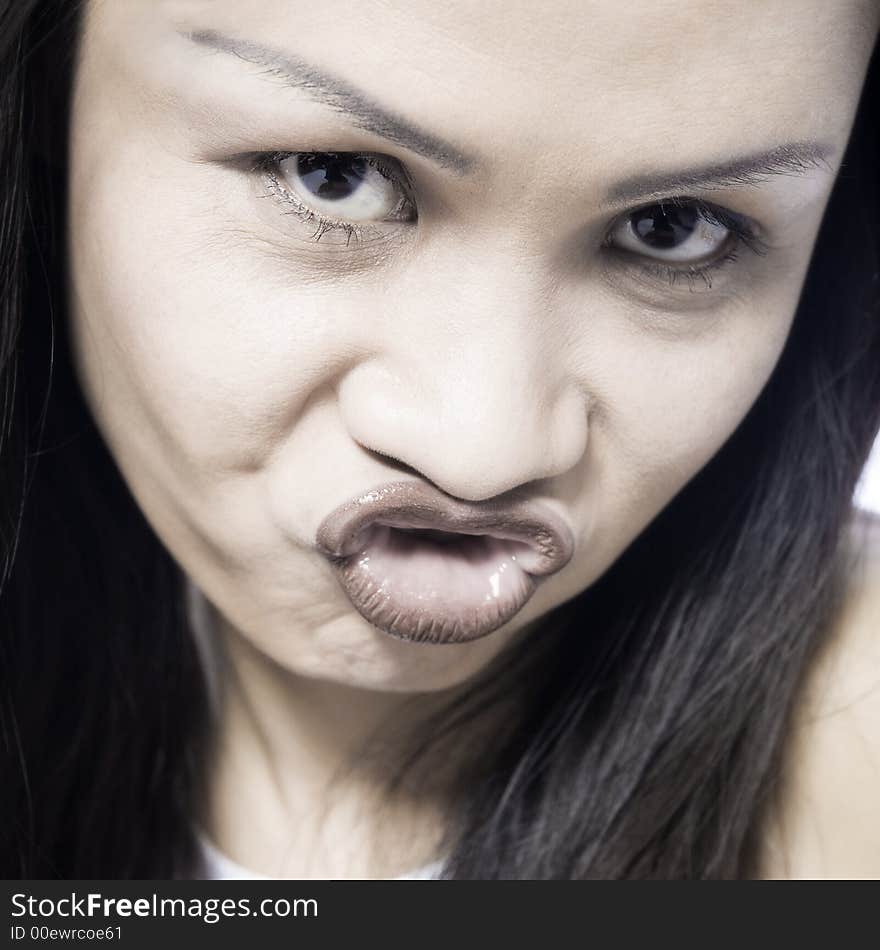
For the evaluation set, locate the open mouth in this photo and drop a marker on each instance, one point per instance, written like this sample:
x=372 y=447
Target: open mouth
x=436 y=586
x=437 y=537
x=453 y=542
x=425 y=567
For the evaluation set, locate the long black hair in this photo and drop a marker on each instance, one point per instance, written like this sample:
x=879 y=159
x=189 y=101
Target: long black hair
x=652 y=709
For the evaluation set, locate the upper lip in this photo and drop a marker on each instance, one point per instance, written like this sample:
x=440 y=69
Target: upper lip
x=411 y=504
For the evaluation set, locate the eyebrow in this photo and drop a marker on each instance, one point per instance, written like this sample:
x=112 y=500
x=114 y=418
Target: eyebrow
x=790 y=158
x=341 y=96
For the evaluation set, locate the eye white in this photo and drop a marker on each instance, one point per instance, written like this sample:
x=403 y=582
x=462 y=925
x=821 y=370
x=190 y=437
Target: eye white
x=340 y=186
x=671 y=233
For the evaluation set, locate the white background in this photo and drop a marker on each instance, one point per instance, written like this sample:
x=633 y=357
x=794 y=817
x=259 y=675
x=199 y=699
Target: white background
x=868 y=490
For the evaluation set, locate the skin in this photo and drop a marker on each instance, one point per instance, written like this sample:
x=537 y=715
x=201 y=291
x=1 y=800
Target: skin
x=248 y=379
x=824 y=821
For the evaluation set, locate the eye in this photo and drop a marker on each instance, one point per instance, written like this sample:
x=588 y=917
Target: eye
x=352 y=191
x=671 y=232
x=682 y=238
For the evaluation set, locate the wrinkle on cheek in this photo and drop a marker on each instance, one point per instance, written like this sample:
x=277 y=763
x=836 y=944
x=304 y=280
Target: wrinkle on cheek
x=230 y=213
x=291 y=259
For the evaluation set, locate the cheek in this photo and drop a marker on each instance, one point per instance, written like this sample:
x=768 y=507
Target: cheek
x=186 y=342
x=665 y=407
x=197 y=357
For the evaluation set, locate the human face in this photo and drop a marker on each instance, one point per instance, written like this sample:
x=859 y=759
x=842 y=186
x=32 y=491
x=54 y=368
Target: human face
x=517 y=318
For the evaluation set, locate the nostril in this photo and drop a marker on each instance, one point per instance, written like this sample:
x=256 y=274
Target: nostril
x=392 y=461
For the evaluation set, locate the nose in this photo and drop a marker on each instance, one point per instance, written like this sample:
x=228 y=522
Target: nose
x=468 y=386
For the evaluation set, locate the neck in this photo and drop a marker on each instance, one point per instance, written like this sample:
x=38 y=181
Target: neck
x=299 y=768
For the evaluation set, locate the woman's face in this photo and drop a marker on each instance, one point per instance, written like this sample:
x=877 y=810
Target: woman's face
x=319 y=248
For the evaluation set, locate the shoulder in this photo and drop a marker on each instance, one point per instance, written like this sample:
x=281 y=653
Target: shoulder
x=828 y=820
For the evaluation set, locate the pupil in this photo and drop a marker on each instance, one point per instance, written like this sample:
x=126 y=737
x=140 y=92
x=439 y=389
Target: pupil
x=665 y=226
x=331 y=176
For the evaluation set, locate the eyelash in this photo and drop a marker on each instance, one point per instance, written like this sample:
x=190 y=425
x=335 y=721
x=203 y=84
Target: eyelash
x=743 y=234
x=266 y=164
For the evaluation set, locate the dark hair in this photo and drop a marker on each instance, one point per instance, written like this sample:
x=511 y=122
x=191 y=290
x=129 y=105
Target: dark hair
x=653 y=708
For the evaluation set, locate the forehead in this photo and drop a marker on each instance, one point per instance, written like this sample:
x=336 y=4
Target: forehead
x=600 y=76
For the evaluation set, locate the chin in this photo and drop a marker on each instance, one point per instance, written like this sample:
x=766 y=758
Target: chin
x=351 y=652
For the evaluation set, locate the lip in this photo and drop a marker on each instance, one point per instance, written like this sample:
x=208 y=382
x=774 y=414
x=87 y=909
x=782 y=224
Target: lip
x=417 y=589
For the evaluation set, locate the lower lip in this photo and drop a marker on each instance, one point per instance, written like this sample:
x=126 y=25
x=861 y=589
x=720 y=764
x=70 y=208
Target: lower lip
x=452 y=590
